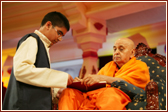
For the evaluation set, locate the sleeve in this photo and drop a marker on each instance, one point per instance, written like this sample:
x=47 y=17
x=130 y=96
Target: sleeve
x=26 y=72
x=54 y=92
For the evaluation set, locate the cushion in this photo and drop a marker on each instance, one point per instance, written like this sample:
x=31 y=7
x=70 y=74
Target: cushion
x=138 y=102
x=157 y=72
x=136 y=94
x=127 y=88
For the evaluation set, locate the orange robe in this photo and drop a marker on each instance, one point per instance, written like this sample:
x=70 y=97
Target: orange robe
x=110 y=98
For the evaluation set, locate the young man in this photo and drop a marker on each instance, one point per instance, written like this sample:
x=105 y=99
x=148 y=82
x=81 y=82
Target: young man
x=123 y=67
x=31 y=79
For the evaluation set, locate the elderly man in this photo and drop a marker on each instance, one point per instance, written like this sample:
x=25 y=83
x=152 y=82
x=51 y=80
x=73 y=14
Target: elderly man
x=123 y=67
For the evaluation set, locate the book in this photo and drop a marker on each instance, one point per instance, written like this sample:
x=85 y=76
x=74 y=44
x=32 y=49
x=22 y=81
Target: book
x=83 y=88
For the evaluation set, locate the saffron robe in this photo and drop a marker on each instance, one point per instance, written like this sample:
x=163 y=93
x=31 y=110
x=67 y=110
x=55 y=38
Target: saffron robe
x=109 y=98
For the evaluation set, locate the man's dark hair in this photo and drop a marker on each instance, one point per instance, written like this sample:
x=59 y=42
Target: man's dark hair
x=57 y=19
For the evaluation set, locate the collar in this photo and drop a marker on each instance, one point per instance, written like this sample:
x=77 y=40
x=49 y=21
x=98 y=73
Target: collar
x=44 y=38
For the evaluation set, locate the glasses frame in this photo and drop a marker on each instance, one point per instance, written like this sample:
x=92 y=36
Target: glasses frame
x=59 y=36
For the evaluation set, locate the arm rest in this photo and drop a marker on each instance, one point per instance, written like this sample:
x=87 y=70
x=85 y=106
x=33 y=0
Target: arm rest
x=152 y=96
x=128 y=88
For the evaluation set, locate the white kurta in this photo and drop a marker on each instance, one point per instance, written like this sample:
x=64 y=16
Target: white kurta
x=25 y=71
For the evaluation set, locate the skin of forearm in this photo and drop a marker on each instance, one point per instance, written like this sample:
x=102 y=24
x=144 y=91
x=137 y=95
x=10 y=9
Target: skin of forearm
x=109 y=79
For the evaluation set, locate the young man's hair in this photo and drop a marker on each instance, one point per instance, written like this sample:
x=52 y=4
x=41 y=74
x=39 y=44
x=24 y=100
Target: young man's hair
x=57 y=19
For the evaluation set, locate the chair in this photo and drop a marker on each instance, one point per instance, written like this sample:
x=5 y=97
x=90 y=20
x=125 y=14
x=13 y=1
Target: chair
x=154 y=96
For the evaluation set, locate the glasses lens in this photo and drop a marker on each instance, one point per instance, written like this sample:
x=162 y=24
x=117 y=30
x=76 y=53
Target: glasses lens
x=59 y=33
x=60 y=38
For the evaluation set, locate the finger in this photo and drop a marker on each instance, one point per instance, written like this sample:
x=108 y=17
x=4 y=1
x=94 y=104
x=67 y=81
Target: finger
x=77 y=79
x=90 y=83
x=85 y=81
x=81 y=81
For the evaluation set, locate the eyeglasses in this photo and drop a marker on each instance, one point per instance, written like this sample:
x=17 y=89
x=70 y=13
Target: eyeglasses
x=59 y=33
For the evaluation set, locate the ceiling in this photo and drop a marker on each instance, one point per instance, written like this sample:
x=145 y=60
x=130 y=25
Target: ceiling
x=146 y=20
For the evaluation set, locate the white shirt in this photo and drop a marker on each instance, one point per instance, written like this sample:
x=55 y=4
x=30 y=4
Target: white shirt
x=25 y=71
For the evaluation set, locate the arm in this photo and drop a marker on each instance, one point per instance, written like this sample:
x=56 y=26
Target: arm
x=26 y=72
x=92 y=79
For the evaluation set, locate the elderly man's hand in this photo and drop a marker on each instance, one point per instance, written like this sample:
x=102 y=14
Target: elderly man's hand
x=91 y=79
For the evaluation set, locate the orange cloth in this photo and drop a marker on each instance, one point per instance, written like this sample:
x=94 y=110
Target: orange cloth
x=100 y=99
x=109 y=98
x=134 y=71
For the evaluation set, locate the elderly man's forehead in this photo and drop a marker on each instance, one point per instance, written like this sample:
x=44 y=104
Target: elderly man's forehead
x=125 y=42
x=120 y=45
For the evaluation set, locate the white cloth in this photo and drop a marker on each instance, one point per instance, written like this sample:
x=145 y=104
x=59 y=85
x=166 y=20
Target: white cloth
x=25 y=71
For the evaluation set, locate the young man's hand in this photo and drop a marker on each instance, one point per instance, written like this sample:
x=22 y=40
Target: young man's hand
x=59 y=93
x=70 y=80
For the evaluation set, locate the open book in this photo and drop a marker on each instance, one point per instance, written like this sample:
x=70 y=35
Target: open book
x=83 y=88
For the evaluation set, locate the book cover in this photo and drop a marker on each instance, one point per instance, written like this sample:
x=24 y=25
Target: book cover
x=83 y=88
